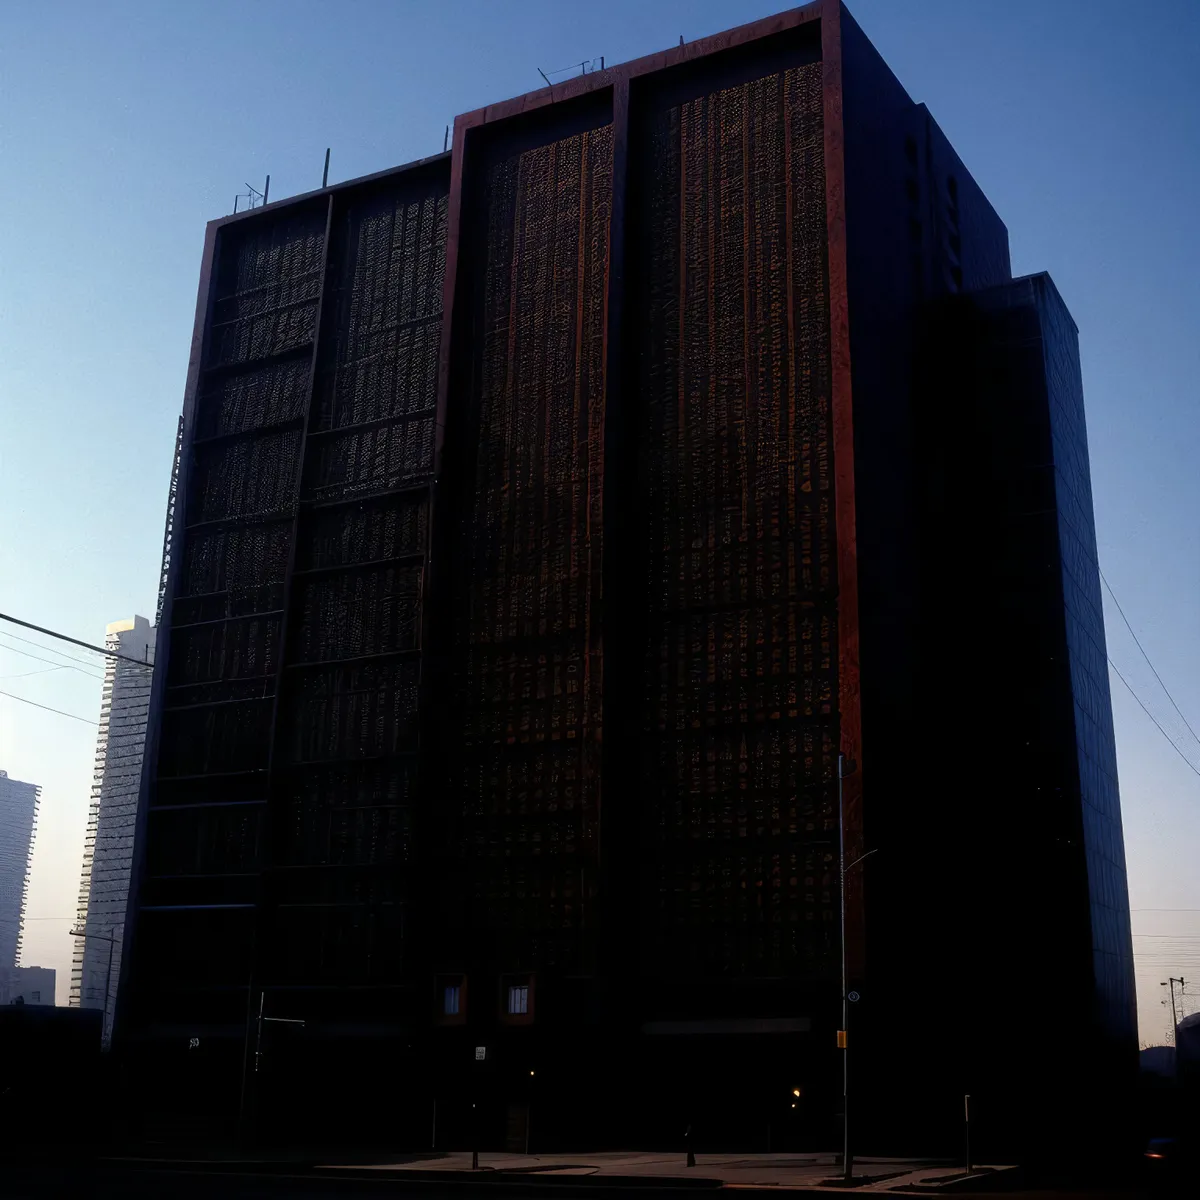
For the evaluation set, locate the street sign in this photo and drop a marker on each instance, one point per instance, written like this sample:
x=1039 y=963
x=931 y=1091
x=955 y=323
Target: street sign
x=480 y=1053
x=854 y=997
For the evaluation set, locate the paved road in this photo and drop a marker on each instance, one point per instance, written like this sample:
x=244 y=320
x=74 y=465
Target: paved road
x=126 y=1183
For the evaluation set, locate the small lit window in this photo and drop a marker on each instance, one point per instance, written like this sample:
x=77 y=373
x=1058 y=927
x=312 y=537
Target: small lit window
x=450 y=999
x=518 y=999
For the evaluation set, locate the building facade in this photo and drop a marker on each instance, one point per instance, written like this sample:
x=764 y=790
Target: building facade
x=18 y=824
x=552 y=515
x=108 y=844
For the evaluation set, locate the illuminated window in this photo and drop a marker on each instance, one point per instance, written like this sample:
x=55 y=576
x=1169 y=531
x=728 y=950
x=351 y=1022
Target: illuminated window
x=518 y=1000
x=450 y=999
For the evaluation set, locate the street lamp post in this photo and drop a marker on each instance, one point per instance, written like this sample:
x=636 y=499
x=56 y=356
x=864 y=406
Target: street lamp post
x=1170 y=982
x=100 y=937
x=847 y=1165
x=845 y=768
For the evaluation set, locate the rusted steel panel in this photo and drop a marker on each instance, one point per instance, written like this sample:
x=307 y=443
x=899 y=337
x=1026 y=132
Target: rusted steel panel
x=526 y=654
x=741 y=669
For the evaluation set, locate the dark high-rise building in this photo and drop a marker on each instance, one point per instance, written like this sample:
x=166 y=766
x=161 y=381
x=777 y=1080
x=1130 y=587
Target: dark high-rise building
x=552 y=515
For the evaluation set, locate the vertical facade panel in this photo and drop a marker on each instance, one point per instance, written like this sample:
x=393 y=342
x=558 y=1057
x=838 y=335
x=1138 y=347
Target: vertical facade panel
x=244 y=451
x=527 y=661
x=348 y=737
x=274 y=853
x=741 y=668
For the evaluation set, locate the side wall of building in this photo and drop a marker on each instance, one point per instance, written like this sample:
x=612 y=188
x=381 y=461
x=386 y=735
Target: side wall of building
x=283 y=752
x=1099 y=791
x=919 y=230
x=1020 y=802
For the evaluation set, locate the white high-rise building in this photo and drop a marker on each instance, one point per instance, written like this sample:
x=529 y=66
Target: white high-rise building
x=108 y=849
x=18 y=821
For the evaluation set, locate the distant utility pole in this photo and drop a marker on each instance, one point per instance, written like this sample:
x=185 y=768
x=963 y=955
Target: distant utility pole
x=105 y=1038
x=1170 y=983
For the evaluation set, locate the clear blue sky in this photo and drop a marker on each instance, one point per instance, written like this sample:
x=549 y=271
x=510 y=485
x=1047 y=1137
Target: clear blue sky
x=125 y=126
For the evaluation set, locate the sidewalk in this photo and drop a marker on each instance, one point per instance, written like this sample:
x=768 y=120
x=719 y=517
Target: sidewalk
x=712 y=1171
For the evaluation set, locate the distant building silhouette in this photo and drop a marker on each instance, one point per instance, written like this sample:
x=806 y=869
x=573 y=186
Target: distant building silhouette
x=112 y=816
x=552 y=514
x=18 y=822
x=27 y=985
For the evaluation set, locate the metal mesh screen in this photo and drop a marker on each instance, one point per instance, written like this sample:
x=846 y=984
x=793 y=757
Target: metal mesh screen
x=741 y=662
x=208 y=739
x=528 y=657
x=254 y=399
x=370 y=460
x=213 y=840
x=358 y=615
x=253 y=477
x=232 y=572
x=337 y=811
x=267 y=289
x=220 y=651
x=389 y=528
x=376 y=393
x=349 y=712
x=348 y=813
x=348 y=731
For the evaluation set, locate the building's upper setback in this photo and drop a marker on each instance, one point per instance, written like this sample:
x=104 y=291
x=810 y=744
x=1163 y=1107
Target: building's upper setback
x=18 y=822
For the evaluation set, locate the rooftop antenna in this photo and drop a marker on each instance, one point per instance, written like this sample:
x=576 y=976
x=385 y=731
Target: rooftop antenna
x=548 y=83
x=681 y=39
x=266 y=189
x=446 y=140
x=253 y=197
x=325 y=176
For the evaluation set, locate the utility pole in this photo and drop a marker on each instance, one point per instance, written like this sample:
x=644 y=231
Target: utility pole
x=1170 y=983
x=262 y=1001
x=843 y=1038
x=845 y=768
x=100 y=937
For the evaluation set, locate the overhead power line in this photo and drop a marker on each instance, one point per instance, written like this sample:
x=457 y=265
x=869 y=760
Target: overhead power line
x=1139 y=645
x=1152 y=717
x=38 y=658
x=62 y=637
x=39 y=671
x=47 y=707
